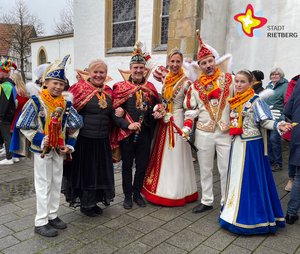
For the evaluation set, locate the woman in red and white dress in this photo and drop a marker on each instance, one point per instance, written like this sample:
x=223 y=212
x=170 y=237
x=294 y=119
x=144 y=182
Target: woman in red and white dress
x=170 y=177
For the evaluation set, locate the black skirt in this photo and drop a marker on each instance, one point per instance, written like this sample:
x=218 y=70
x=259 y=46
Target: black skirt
x=89 y=177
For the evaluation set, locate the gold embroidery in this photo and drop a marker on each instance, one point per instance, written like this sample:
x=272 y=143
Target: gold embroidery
x=150 y=178
x=231 y=200
x=210 y=127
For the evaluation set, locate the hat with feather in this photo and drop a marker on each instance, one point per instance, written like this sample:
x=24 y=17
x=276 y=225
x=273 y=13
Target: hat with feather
x=203 y=51
x=137 y=54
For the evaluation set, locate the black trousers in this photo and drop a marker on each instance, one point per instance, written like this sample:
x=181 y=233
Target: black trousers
x=6 y=135
x=1 y=139
x=140 y=152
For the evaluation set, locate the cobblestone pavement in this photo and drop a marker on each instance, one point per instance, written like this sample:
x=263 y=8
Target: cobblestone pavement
x=152 y=229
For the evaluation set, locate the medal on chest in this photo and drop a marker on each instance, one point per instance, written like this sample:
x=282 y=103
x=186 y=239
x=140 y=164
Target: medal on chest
x=214 y=102
x=102 y=100
x=234 y=118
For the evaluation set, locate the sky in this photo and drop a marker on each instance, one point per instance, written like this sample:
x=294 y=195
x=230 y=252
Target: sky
x=48 y=11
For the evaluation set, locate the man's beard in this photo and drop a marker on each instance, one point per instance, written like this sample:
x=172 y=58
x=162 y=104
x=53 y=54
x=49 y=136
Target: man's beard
x=210 y=71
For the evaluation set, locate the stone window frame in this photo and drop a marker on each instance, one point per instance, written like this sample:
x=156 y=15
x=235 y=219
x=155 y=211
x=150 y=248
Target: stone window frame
x=157 y=23
x=109 y=50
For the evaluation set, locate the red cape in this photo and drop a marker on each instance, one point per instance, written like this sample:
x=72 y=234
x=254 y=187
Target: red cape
x=122 y=91
x=125 y=89
x=83 y=91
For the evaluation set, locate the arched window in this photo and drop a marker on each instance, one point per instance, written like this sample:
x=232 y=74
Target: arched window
x=42 y=57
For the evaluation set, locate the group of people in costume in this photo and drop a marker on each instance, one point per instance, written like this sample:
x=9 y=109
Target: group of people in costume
x=132 y=122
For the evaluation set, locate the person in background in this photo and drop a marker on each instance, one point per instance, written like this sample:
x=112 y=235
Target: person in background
x=279 y=85
x=257 y=82
x=35 y=123
x=287 y=136
x=22 y=95
x=34 y=88
x=252 y=205
x=21 y=99
x=292 y=112
x=7 y=107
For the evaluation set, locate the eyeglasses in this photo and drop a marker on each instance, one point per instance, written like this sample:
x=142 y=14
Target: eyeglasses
x=275 y=74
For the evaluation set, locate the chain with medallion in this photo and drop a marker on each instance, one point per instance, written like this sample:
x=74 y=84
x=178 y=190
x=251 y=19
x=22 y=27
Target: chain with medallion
x=101 y=99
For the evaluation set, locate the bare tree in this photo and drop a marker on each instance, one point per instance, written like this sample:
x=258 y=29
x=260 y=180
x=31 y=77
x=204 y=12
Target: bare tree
x=20 y=25
x=65 y=24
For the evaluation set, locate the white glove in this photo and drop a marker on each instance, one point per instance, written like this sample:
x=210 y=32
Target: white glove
x=186 y=130
x=275 y=112
x=167 y=117
x=193 y=113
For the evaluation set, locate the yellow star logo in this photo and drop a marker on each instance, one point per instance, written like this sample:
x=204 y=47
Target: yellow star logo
x=249 y=21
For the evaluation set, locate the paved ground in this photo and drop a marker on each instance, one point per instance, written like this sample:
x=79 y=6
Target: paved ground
x=153 y=229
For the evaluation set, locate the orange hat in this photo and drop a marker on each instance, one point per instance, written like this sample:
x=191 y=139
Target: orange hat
x=203 y=50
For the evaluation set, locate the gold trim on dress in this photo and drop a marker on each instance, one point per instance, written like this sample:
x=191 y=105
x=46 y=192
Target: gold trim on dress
x=240 y=183
x=259 y=224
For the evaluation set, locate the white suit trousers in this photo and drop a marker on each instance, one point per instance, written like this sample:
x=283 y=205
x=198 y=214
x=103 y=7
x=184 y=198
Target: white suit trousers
x=208 y=143
x=47 y=180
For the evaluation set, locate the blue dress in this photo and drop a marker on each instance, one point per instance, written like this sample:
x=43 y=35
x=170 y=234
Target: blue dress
x=252 y=205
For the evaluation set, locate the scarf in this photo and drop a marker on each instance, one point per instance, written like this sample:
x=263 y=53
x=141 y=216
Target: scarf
x=51 y=103
x=168 y=93
x=236 y=105
x=210 y=85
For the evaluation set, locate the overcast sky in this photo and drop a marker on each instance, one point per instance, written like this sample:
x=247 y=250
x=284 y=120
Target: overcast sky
x=48 y=11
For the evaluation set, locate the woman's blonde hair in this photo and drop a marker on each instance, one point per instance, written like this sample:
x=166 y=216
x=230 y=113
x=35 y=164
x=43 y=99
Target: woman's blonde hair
x=19 y=84
x=175 y=51
x=96 y=63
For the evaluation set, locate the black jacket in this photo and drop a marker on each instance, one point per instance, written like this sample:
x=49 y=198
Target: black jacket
x=258 y=87
x=7 y=104
x=292 y=111
x=97 y=122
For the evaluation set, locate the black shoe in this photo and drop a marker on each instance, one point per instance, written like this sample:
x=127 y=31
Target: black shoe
x=90 y=212
x=291 y=219
x=46 y=230
x=127 y=204
x=276 y=168
x=97 y=210
x=201 y=208
x=138 y=199
x=57 y=223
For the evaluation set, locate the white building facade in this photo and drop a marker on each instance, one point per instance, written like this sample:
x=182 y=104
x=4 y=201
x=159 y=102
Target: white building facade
x=107 y=29
x=51 y=48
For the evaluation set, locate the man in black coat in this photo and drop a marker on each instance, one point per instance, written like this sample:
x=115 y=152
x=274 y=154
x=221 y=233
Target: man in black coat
x=292 y=112
x=7 y=107
x=137 y=97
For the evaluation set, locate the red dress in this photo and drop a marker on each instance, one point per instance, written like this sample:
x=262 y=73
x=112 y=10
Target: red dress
x=21 y=102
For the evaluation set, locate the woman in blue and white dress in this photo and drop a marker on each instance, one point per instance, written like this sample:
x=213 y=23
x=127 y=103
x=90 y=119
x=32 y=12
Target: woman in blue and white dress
x=252 y=205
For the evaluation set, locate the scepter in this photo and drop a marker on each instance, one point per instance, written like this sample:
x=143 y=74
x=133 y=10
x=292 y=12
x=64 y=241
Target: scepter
x=141 y=119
